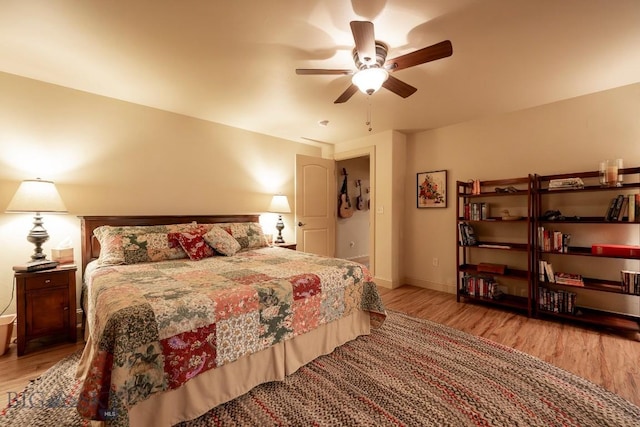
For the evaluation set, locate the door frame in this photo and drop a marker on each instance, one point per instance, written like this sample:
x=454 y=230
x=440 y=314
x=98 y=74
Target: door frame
x=362 y=152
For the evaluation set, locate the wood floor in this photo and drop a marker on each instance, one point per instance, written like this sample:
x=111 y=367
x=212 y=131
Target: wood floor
x=607 y=359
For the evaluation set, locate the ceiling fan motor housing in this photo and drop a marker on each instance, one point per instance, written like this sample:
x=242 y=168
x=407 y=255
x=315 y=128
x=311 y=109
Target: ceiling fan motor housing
x=381 y=57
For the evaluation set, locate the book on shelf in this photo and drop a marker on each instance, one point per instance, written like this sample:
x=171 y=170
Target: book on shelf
x=634 y=208
x=558 y=239
x=467 y=235
x=553 y=241
x=624 y=210
x=476 y=211
x=546 y=272
x=610 y=209
x=548 y=268
x=556 y=301
x=480 y=286
x=615 y=208
x=630 y=282
x=566 y=183
x=625 y=251
x=568 y=279
x=493 y=246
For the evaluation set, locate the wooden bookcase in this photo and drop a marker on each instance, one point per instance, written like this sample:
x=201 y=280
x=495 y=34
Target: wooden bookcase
x=515 y=282
x=583 y=217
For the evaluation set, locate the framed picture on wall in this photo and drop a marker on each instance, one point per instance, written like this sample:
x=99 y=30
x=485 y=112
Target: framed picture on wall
x=432 y=189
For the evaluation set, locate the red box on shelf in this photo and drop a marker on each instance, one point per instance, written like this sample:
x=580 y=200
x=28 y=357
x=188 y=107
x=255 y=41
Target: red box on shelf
x=627 y=251
x=485 y=267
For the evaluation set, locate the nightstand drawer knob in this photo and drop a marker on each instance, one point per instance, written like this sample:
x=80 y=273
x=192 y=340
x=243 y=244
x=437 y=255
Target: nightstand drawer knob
x=66 y=308
x=47 y=281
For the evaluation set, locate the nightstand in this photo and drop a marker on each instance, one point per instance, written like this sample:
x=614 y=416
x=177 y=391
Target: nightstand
x=291 y=246
x=46 y=305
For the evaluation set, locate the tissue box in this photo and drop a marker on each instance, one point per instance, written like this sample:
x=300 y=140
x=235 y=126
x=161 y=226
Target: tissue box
x=63 y=256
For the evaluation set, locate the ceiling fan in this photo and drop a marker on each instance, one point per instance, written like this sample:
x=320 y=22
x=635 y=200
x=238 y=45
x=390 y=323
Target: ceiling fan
x=373 y=68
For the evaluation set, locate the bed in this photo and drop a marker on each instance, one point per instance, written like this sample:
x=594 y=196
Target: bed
x=174 y=328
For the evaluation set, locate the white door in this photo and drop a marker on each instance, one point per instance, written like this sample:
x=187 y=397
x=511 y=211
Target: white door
x=316 y=205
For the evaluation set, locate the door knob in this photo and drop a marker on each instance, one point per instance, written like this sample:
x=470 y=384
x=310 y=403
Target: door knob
x=301 y=224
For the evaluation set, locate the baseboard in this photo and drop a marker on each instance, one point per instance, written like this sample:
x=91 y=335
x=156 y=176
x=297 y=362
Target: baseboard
x=441 y=287
x=384 y=283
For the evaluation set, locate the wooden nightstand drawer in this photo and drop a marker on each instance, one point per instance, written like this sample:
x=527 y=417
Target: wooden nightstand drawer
x=46 y=281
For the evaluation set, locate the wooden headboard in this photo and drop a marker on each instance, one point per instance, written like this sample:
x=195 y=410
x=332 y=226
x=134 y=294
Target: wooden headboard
x=91 y=246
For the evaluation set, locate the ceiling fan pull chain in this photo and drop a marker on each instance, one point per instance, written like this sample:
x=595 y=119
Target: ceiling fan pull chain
x=368 y=122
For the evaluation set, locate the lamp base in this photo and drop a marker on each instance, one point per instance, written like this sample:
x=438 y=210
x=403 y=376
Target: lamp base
x=279 y=227
x=38 y=235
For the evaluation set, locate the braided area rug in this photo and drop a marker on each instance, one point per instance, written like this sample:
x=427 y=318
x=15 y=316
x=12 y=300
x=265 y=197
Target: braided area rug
x=410 y=372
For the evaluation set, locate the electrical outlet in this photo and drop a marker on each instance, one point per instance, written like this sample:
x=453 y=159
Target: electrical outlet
x=435 y=262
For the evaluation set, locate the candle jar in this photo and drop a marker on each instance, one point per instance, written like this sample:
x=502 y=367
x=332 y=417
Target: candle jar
x=609 y=173
x=602 y=173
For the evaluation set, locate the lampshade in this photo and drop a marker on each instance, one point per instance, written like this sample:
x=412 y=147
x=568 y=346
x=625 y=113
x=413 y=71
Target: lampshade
x=36 y=195
x=279 y=204
x=369 y=80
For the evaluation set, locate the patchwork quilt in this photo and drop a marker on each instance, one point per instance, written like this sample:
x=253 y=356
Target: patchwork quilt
x=156 y=325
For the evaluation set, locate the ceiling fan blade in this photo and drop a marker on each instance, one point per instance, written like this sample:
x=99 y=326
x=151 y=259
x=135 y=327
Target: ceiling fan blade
x=346 y=94
x=365 y=41
x=399 y=87
x=313 y=71
x=420 y=56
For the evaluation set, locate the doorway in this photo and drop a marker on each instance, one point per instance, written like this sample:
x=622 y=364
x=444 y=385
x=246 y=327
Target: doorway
x=353 y=233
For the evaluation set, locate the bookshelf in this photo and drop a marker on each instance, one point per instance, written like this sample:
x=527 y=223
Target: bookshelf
x=500 y=215
x=598 y=273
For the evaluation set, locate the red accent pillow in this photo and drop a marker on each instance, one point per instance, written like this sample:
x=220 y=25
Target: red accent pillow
x=194 y=245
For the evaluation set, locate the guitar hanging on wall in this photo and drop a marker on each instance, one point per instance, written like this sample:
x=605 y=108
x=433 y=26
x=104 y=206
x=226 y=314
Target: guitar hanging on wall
x=345 y=210
x=359 y=199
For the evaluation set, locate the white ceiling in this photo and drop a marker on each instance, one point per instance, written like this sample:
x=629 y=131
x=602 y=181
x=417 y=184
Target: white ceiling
x=234 y=61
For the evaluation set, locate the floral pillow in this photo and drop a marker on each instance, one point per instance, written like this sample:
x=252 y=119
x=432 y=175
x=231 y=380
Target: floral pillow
x=135 y=244
x=248 y=234
x=194 y=244
x=222 y=241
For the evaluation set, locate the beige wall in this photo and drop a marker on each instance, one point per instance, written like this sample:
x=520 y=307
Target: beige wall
x=112 y=157
x=568 y=136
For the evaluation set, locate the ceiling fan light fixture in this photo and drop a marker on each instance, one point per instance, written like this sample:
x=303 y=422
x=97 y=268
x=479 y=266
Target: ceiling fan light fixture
x=369 y=80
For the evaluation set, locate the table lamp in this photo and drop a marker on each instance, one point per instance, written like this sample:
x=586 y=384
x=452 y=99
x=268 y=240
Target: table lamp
x=279 y=204
x=39 y=196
